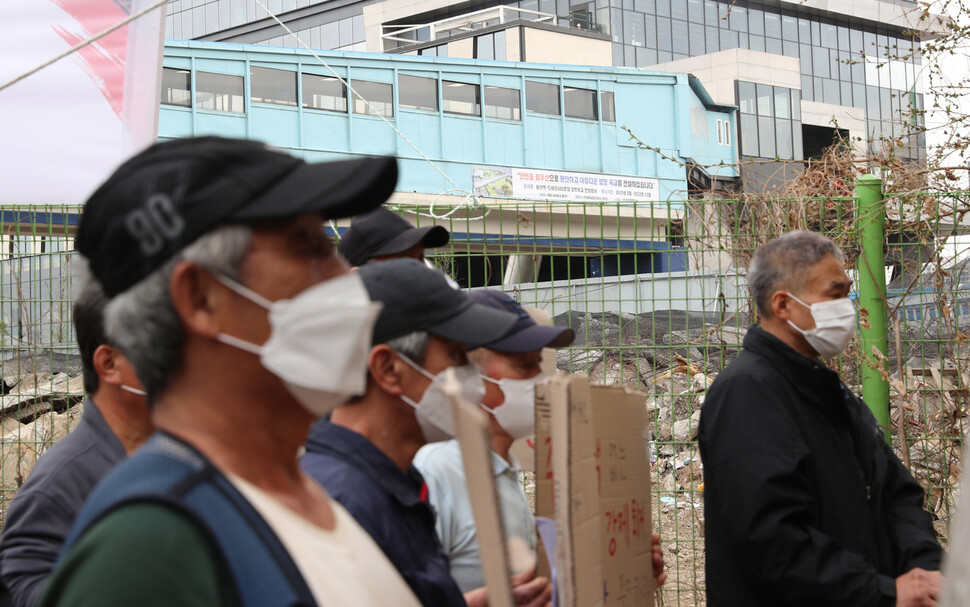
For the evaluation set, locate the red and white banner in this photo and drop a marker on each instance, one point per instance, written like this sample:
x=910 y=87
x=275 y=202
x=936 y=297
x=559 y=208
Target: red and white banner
x=66 y=127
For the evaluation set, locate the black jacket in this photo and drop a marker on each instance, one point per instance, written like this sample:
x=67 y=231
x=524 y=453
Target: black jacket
x=804 y=502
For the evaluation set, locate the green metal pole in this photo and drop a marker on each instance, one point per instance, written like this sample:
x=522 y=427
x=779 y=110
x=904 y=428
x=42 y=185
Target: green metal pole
x=871 y=218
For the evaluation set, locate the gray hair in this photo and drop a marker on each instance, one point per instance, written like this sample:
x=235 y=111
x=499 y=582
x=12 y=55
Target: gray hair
x=413 y=345
x=784 y=263
x=143 y=322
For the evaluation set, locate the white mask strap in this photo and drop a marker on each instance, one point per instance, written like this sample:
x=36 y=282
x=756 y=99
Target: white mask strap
x=239 y=343
x=494 y=381
x=415 y=366
x=799 y=301
x=244 y=292
x=133 y=390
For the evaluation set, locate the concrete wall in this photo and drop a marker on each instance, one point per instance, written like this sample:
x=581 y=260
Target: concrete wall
x=542 y=46
x=718 y=71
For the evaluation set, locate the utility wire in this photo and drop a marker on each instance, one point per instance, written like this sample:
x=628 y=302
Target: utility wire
x=468 y=196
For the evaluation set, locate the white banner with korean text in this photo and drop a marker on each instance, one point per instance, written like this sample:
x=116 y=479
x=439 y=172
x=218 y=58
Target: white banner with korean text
x=532 y=184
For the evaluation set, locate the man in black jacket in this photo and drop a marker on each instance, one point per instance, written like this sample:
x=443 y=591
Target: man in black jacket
x=805 y=503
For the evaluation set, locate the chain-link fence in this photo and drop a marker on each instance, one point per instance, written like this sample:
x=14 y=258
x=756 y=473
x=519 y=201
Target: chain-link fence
x=657 y=296
x=40 y=369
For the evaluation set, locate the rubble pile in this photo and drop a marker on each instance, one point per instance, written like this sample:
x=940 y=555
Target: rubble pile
x=40 y=394
x=935 y=408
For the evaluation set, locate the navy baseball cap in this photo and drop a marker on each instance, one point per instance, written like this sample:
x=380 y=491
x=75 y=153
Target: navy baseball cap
x=167 y=196
x=417 y=298
x=382 y=232
x=525 y=335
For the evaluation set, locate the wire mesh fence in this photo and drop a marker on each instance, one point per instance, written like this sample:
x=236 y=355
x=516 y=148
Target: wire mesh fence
x=655 y=292
x=40 y=369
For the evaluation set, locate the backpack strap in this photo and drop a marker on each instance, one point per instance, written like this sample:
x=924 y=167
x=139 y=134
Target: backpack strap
x=168 y=471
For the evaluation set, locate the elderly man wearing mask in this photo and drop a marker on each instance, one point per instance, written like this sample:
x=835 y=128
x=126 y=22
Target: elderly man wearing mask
x=510 y=367
x=244 y=326
x=805 y=503
x=363 y=455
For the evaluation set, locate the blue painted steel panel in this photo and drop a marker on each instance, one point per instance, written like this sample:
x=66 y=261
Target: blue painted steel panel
x=463 y=139
x=543 y=142
x=175 y=122
x=504 y=143
x=215 y=123
x=581 y=144
x=276 y=125
x=370 y=135
x=326 y=130
x=422 y=129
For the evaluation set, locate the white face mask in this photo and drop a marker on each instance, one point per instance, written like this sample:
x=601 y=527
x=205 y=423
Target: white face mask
x=319 y=340
x=433 y=411
x=835 y=323
x=517 y=415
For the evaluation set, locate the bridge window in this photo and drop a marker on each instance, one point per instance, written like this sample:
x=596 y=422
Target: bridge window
x=580 y=103
x=417 y=93
x=461 y=98
x=272 y=86
x=502 y=103
x=541 y=98
x=219 y=92
x=379 y=97
x=607 y=108
x=176 y=87
x=324 y=93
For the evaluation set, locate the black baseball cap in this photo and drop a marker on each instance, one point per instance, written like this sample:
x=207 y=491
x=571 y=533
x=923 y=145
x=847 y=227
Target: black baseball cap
x=525 y=335
x=417 y=298
x=382 y=232
x=164 y=198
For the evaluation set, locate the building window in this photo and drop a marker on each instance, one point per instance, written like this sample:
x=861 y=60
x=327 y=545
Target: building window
x=379 y=97
x=607 y=109
x=724 y=132
x=770 y=122
x=490 y=46
x=435 y=51
x=417 y=93
x=502 y=103
x=580 y=103
x=460 y=98
x=541 y=98
x=176 y=87
x=272 y=86
x=838 y=60
x=324 y=93
x=219 y=92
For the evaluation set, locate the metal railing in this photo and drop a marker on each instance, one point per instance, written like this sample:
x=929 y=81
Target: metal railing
x=395 y=36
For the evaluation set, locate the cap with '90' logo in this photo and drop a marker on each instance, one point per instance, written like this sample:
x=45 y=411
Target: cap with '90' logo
x=167 y=196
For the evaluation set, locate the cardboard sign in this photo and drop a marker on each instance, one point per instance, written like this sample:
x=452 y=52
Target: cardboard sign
x=476 y=452
x=623 y=477
x=578 y=567
x=598 y=489
x=544 y=505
